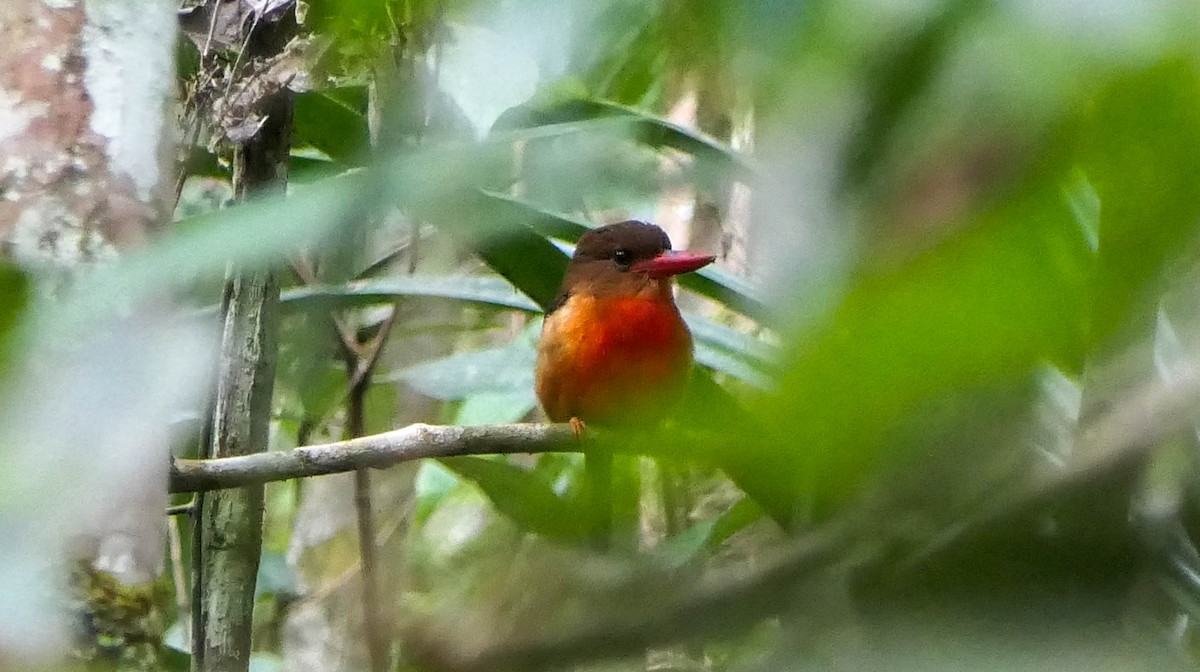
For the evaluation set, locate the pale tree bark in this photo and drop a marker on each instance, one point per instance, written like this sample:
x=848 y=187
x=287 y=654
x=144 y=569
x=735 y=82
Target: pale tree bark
x=86 y=88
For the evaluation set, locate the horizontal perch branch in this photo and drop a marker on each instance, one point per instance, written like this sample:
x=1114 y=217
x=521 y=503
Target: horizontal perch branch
x=379 y=450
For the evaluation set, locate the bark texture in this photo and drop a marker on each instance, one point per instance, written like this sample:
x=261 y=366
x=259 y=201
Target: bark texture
x=230 y=538
x=85 y=90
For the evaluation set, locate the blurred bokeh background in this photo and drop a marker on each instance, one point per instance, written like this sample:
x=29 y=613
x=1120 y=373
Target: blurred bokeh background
x=948 y=361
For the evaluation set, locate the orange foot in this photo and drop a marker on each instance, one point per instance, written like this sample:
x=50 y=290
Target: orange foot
x=577 y=428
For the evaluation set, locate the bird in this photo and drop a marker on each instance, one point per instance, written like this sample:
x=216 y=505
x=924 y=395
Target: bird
x=614 y=348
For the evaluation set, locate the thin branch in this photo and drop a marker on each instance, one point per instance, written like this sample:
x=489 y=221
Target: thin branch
x=414 y=442
x=178 y=574
x=350 y=348
x=360 y=370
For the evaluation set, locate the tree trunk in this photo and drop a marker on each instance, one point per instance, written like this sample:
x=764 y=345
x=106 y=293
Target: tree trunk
x=86 y=90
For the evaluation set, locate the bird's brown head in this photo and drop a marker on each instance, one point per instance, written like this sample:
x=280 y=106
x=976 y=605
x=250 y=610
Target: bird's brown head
x=630 y=258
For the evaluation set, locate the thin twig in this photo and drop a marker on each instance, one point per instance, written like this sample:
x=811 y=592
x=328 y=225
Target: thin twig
x=377 y=451
x=346 y=339
x=375 y=629
x=212 y=29
x=178 y=575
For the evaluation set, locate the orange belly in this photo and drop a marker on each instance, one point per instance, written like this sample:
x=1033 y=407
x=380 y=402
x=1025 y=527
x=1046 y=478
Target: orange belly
x=606 y=361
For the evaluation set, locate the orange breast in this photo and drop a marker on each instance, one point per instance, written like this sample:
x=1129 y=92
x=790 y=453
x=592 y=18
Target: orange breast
x=613 y=360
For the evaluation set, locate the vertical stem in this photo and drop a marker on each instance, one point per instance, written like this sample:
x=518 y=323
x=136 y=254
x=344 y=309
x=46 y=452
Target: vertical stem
x=360 y=370
x=231 y=521
x=373 y=626
x=178 y=576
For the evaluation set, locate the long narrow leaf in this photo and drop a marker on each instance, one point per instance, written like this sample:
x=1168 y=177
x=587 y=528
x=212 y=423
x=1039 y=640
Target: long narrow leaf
x=473 y=289
x=582 y=115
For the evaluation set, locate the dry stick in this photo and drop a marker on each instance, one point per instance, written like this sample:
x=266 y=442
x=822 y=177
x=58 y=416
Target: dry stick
x=360 y=364
x=346 y=339
x=360 y=380
x=376 y=451
x=178 y=574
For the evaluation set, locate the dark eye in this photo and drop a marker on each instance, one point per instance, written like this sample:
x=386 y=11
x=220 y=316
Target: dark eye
x=623 y=258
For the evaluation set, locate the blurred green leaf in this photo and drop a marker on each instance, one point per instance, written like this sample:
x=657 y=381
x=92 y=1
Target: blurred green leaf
x=506 y=370
x=729 y=364
x=898 y=81
x=523 y=497
x=727 y=338
x=264 y=661
x=1139 y=140
x=656 y=132
x=986 y=306
x=334 y=122
x=275 y=576
x=618 y=49
x=255 y=234
x=474 y=289
x=490 y=408
x=14 y=297
x=527 y=260
x=432 y=484
x=176 y=640
x=684 y=547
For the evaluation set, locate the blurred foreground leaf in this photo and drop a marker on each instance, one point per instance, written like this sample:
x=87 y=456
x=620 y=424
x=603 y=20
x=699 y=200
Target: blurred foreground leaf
x=14 y=297
x=1139 y=141
x=1017 y=287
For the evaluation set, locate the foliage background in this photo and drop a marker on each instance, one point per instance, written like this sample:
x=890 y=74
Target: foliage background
x=950 y=343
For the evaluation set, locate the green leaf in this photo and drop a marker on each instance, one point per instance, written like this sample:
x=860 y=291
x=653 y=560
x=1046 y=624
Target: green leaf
x=334 y=122
x=730 y=290
x=14 y=297
x=1139 y=140
x=724 y=362
x=897 y=83
x=433 y=483
x=684 y=547
x=491 y=408
x=505 y=370
x=275 y=576
x=474 y=289
x=727 y=338
x=263 y=661
x=175 y=638
x=986 y=307
x=255 y=234
x=576 y=116
x=522 y=497
x=527 y=260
